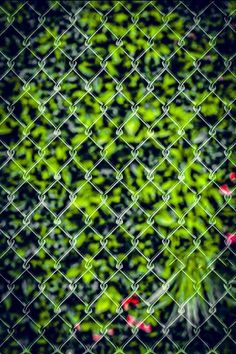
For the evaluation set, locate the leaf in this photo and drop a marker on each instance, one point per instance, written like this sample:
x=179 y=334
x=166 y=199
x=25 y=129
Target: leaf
x=74 y=271
x=88 y=277
x=103 y=304
x=164 y=218
x=5 y=130
x=132 y=126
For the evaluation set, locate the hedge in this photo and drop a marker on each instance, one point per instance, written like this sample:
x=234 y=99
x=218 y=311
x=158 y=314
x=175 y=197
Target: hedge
x=117 y=135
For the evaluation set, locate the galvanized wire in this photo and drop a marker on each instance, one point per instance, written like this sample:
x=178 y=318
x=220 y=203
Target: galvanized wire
x=122 y=221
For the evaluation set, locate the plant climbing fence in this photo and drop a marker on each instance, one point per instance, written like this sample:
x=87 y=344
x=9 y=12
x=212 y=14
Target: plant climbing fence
x=118 y=170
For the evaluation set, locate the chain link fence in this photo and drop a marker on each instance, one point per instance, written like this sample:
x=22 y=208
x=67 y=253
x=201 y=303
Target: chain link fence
x=117 y=183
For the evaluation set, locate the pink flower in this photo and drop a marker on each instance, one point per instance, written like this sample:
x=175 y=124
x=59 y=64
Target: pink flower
x=130 y=300
x=145 y=327
x=111 y=332
x=224 y=189
x=232 y=176
x=141 y=325
x=231 y=238
x=96 y=337
x=131 y=320
x=77 y=327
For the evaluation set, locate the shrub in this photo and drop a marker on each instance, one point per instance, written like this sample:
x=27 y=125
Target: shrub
x=117 y=132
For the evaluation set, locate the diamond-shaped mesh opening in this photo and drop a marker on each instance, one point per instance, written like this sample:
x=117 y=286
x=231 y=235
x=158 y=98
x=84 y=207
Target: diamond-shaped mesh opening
x=117 y=15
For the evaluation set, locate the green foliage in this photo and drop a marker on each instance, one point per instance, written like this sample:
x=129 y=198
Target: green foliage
x=114 y=136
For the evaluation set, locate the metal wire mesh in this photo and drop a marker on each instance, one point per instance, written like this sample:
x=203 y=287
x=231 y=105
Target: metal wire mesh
x=117 y=210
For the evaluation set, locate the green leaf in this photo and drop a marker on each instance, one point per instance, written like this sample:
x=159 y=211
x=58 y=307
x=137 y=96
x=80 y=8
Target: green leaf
x=74 y=271
x=164 y=218
x=103 y=304
x=132 y=126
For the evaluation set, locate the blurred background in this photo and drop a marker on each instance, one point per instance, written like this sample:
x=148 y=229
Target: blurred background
x=117 y=159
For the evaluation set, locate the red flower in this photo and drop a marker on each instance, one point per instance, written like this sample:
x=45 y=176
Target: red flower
x=96 y=337
x=232 y=176
x=111 y=332
x=131 y=320
x=130 y=300
x=77 y=327
x=141 y=325
x=231 y=238
x=224 y=189
x=145 y=327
